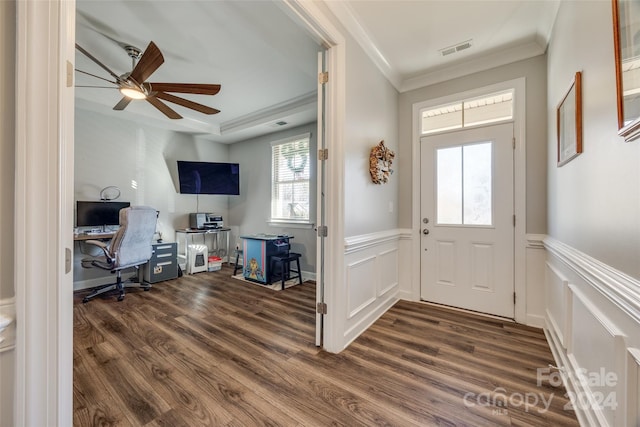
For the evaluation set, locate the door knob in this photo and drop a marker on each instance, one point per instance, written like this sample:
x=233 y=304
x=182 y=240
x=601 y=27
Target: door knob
x=425 y=231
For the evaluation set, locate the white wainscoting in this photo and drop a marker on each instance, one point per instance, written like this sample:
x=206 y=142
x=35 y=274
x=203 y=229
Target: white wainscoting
x=594 y=334
x=372 y=276
x=534 y=298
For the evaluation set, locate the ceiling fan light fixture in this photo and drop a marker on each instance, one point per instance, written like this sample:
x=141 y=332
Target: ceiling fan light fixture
x=132 y=92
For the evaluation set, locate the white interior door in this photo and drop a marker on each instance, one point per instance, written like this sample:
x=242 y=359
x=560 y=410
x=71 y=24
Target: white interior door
x=320 y=173
x=467 y=210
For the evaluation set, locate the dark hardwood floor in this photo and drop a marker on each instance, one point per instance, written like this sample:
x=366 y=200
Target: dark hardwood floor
x=208 y=350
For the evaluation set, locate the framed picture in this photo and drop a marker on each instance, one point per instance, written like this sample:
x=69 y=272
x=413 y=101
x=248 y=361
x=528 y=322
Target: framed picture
x=569 y=117
x=626 y=40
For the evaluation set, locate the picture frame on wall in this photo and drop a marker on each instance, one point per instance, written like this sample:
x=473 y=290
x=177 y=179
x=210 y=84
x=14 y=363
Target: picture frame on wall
x=569 y=122
x=626 y=47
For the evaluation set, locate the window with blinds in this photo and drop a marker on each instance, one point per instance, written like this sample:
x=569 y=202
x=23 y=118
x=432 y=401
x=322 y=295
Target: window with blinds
x=290 y=179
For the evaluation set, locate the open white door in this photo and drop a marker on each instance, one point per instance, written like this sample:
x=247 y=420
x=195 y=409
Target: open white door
x=320 y=221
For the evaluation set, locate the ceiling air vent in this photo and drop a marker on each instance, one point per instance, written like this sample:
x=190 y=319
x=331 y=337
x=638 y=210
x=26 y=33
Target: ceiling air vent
x=456 y=48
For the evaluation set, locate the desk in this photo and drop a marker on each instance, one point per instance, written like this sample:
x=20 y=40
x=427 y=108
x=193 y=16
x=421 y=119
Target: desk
x=102 y=236
x=215 y=239
x=257 y=252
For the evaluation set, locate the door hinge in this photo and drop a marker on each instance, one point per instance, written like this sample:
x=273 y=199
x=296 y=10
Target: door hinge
x=514 y=298
x=69 y=74
x=323 y=154
x=514 y=142
x=514 y=220
x=323 y=231
x=321 y=308
x=323 y=77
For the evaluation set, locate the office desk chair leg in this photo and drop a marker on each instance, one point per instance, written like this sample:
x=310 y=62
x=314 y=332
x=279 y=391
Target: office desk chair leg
x=119 y=286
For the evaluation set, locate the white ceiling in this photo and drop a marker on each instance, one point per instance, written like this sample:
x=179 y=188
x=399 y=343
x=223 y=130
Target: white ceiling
x=267 y=64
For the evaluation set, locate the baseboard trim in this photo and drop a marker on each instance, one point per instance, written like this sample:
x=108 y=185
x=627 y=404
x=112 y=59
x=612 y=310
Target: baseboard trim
x=563 y=364
x=535 y=321
x=357 y=329
x=99 y=281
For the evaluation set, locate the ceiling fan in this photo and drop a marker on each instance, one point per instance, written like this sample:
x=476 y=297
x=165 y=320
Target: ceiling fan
x=133 y=85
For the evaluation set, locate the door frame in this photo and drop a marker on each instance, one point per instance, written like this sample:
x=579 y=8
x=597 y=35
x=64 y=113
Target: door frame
x=45 y=40
x=519 y=185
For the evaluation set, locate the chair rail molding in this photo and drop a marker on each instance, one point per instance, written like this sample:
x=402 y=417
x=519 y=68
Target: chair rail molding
x=619 y=288
x=363 y=241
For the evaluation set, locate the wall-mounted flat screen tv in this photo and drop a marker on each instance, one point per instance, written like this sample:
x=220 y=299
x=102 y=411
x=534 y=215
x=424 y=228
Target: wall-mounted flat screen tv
x=97 y=214
x=209 y=178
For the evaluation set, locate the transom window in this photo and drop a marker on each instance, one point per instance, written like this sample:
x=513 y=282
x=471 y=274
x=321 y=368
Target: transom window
x=492 y=108
x=290 y=179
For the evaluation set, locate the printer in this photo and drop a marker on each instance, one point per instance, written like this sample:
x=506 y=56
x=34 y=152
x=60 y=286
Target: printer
x=205 y=221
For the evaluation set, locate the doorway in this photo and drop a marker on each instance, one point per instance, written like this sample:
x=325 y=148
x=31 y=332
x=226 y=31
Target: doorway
x=467 y=219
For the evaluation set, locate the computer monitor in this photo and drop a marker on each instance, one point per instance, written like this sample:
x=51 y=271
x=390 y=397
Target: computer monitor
x=98 y=214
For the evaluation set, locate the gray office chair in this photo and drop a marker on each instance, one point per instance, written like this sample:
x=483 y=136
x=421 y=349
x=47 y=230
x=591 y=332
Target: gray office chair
x=130 y=247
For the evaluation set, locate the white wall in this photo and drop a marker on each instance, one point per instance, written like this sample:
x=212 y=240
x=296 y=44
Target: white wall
x=7 y=182
x=114 y=151
x=249 y=212
x=593 y=249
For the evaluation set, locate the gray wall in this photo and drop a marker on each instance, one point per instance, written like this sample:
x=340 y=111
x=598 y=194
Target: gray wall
x=594 y=200
x=370 y=116
x=534 y=71
x=115 y=151
x=250 y=212
x=7 y=171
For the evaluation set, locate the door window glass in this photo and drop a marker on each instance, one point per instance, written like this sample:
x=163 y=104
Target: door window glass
x=464 y=184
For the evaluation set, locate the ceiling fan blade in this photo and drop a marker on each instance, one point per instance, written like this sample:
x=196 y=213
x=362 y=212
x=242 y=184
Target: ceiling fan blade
x=164 y=108
x=122 y=104
x=186 y=103
x=201 y=89
x=97 y=87
x=151 y=59
x=97 y=77
x=91 y=57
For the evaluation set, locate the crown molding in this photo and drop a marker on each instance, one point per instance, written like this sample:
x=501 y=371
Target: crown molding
x=346 y=15
x=274 y=112
x=483 y=63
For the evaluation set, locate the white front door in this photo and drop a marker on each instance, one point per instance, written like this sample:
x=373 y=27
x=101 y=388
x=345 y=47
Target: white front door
x=467 y=219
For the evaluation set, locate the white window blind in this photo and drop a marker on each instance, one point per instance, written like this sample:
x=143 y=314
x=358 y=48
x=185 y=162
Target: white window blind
x=290 y=179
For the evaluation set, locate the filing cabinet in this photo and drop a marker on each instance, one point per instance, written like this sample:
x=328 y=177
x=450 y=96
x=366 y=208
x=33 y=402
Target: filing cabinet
x=163 y=264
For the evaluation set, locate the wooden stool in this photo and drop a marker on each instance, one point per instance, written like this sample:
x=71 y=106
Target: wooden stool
x=236 y=267
x=284 y=262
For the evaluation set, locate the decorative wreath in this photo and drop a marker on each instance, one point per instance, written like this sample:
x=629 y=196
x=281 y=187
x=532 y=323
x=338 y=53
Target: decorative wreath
x=380 y=161
x=296 y=161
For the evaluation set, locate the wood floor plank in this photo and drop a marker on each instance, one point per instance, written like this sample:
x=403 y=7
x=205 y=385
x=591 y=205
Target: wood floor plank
x=206 y=349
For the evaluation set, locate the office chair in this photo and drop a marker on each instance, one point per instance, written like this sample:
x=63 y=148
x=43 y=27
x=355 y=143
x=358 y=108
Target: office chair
x=130 y=247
